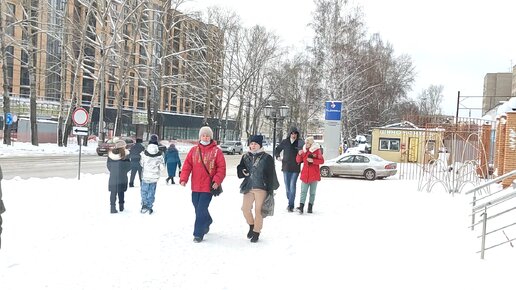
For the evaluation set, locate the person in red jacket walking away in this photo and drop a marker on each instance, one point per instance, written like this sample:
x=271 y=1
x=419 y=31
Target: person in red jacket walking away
x=311 y=157
x=207 y=152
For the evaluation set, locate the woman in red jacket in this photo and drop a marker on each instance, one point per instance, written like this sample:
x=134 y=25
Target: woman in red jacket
x=209 y=153
x=311 y=157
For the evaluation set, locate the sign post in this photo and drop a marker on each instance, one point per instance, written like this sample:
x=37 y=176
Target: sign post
x=8 y=122
x=332 y=129
x=80 y=118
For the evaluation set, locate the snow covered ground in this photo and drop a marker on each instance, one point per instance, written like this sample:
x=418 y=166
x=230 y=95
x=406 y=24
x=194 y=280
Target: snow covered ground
x=59 y=234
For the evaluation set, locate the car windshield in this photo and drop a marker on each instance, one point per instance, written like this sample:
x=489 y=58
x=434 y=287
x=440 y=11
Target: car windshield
x=230 y=143
x=376 y=158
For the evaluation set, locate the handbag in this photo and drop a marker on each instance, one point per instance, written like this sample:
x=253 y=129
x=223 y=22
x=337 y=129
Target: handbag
x=268 y=205
x=215 y=191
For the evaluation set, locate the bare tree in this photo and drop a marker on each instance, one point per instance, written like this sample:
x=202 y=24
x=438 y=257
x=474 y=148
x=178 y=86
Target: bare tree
x=30 y=30
x=362 y=73
x=6 y=59
x=229 y=25
x=430 y=99
x=258 y=49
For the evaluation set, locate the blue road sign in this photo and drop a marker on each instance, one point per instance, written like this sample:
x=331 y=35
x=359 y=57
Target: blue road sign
x=333 y=111
x=8 y=118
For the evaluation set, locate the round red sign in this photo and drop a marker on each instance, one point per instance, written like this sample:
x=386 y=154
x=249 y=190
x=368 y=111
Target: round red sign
x=80 y=117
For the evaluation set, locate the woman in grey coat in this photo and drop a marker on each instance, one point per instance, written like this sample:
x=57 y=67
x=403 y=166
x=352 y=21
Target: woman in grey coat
x=257 y=169
x=118 y=166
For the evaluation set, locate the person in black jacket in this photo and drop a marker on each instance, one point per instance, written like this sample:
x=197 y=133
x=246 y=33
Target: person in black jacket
x=2 y=207
x=118 y=166
x=134 y=156
x=290 y=167
x=257 y=169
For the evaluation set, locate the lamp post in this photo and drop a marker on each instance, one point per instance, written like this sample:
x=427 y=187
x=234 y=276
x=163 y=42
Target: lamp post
x=275 y=114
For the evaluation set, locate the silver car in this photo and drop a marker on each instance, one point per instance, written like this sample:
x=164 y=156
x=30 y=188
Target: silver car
x=232 y=147
x=369 y=166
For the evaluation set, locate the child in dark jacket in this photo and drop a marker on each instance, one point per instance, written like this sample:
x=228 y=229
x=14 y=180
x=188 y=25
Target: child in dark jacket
x=257 y=169
x=172 y=161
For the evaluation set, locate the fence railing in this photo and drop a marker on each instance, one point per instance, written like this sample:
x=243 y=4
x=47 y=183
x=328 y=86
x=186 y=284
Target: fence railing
x=494 y=204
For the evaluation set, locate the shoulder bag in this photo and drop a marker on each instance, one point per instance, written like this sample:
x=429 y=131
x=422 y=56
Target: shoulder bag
x=217 y=191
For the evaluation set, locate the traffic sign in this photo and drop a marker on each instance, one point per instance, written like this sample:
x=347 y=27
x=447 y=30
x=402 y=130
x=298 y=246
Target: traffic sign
x=80 y=116
x=8 y=118
x=81 y=131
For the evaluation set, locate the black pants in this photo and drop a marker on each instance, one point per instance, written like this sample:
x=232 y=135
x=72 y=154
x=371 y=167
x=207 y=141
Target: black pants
x=135 y=169
x=112 y=197
x=0 y=231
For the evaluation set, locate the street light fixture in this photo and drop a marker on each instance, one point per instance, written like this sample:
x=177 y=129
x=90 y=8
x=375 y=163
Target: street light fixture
x=275 y=114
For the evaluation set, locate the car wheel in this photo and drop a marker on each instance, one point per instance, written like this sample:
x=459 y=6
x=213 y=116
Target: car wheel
x=325 y=171
x=369 y=174
x=99 y=154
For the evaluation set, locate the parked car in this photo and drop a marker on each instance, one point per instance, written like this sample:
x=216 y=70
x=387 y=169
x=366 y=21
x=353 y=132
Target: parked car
x=103 y=148
x=232 y=147
x=369 y=166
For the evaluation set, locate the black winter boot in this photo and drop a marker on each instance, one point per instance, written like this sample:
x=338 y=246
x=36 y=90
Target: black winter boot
x=121 y=200
x=301 y=208
x=112 y=201
x=255 y=237
x=310 y=208
x=250 y=233
x=172 y=179
x=166 y=180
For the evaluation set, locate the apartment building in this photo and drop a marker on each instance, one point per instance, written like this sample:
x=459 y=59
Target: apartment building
x=126 y=59
x=497 y=88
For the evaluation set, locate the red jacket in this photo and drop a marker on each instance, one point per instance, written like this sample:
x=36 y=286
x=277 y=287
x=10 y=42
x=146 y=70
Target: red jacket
x=215 y=163
x=310 y=171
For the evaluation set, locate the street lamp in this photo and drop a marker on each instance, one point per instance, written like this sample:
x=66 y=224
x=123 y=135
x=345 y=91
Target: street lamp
x=275 y=114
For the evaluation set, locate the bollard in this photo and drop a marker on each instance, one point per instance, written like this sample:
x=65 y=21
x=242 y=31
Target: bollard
x=2 y=207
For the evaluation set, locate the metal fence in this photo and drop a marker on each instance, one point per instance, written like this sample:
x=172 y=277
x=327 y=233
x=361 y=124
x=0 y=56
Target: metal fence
x=453 y=161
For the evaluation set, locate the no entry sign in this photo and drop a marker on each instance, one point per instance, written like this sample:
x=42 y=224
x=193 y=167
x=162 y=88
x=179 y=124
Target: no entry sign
x=80 y=117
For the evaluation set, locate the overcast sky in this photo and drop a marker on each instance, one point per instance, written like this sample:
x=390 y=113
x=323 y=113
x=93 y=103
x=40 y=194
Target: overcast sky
x=452 y=43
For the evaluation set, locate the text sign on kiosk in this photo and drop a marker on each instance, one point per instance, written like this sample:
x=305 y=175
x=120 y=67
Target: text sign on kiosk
x=80 y=116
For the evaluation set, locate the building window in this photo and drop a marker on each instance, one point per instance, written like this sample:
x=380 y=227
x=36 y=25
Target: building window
x=10 y=19
x=390 y=144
